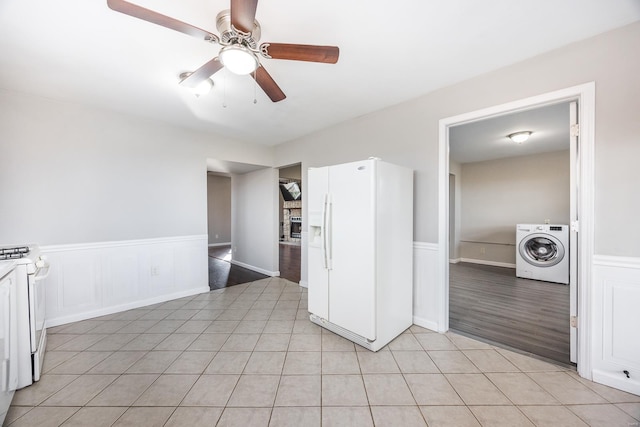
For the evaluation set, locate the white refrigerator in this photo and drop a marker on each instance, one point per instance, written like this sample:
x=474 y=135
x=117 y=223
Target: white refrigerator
x=360 y=250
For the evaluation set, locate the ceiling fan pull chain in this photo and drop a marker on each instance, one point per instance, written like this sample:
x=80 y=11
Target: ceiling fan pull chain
x=255 y=86
x=224 y=90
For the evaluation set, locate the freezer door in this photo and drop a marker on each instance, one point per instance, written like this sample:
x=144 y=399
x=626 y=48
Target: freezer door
x=351 y=247
x=317 y=196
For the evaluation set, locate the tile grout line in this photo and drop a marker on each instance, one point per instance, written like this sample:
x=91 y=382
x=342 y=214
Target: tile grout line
x=241 y=299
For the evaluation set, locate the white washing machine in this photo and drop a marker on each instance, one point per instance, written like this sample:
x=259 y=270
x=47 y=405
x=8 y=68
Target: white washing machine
x=542 y=252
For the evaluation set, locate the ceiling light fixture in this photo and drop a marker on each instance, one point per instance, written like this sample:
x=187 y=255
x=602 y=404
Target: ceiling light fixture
x=202 y=89
x=238 y=59
x=520 y=137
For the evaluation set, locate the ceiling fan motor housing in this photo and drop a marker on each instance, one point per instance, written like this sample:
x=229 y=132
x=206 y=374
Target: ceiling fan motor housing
x=230 y=35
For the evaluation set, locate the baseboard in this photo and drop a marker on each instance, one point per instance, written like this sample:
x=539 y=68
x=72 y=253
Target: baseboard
x=123 y=307
x=213 y=245
x=424 y=323
x=616 y=380
x=454 y=261
x=304 y=284
x=254 y=268
x=486 y=262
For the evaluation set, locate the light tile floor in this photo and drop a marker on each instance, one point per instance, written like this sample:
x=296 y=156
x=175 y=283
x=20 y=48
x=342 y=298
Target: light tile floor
x=249 y=356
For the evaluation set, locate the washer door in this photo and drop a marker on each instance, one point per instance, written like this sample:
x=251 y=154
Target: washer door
x=541 y=250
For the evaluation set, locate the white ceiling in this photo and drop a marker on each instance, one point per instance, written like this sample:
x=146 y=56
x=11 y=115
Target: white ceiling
x=81 y=51
x=488 y=139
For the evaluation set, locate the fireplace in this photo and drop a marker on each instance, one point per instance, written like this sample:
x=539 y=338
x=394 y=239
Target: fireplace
x=292 y=221
x=295 y=227
x=291 y=191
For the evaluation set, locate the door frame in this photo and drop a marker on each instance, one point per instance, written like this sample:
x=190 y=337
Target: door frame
x=303 y=228
x=585 y=95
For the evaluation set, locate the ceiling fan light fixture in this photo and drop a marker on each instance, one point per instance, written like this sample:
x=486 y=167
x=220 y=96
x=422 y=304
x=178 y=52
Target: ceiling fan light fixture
x=202 y=89
x=238 y=59
x=520 y=137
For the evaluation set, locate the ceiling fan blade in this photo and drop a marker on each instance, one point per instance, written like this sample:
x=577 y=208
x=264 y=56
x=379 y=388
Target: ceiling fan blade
x=156 y=18
x=300 y=52
x=243 y=13
x=266 y=82
x=202 y=73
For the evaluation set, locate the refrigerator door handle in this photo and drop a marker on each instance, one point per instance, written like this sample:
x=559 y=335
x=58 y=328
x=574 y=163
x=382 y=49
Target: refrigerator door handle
x=329 y=233
x=325 y=261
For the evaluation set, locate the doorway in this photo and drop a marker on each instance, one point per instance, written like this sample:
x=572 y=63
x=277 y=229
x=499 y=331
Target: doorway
x=290 y=222
x=504 y=183
x=585 y=96
x=240 y=248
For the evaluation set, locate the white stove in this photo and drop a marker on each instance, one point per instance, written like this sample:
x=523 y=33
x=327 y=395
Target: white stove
x=31 y=268
x=8 y=337
x=14 y=253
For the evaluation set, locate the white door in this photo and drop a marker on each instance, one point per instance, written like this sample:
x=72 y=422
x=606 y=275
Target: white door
x=352 y=247
x=318 y=273
x=573 y=232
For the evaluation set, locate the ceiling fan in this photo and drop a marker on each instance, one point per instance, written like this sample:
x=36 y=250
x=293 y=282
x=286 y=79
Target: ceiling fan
x=239 y=36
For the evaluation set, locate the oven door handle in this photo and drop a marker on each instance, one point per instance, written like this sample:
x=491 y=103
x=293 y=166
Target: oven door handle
x=5 y=303
x=42 y=265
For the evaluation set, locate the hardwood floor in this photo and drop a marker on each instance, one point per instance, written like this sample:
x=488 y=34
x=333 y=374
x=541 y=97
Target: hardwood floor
x=290 y=262
x=223 y=274
x=491 y=303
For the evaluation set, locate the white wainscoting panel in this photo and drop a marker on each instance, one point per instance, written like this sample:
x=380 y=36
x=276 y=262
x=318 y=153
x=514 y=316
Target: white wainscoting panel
x=94 y=279
x=121 y=270
x=84 y=269
x=164 y=268
x=616 y=322
x=426 y=295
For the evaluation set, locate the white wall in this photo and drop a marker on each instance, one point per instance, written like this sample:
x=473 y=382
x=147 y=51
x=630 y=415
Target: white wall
x=119 y=203
x=498 y=194
x=219 y=208
x=455 y=169
x=254 y=208
x=76 y=174
x=407 y=134
x=79 y=174
x=293 y=172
